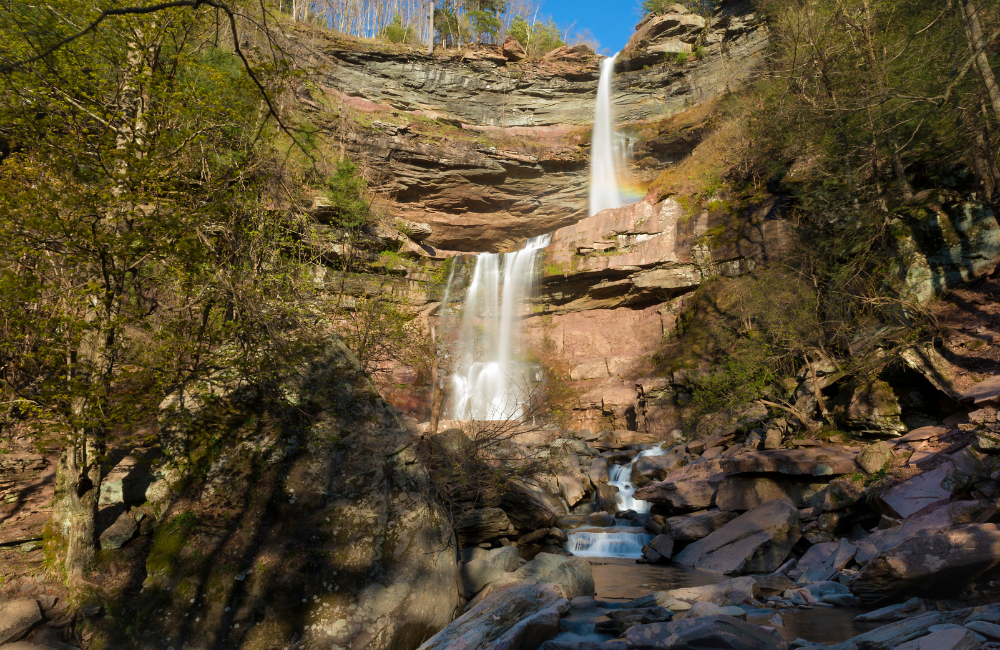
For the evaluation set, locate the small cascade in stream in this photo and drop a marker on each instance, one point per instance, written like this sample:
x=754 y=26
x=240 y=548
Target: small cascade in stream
x=621 y=541
x=605 y=152
x=621 y=478
x=609 y=542
x=491 y=379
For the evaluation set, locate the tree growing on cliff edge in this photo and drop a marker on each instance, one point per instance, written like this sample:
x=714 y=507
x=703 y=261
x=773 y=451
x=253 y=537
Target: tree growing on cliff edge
x=144 y=246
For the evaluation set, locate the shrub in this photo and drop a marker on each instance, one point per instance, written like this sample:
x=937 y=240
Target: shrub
x=397 y=33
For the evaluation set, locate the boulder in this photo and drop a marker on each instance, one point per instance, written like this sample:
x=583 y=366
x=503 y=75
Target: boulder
x=892 y=635
x=741 y=492
x=803 y=461
x=601 y=519
x=477 y=574
x=659 y=549
x=723 y=594
x=599 y=471
x=773 y=584
x=505 y=558
x=922 y=492
x=691 y=487
x=719 y=631
x=606 y=497
x=655 y=468
x=532 y=631
x=757 y=541
x=772 y=439
x=475 y=526
x=874 y=457
x=526 y=508
x=119 y=533
x=496 y=614
x=696 y=525
x=570 y=488
x=513 y=50
x=949 y=639
x=17 y=617
x=620 y=620
x=929 y=563
x=841 y=556
x=913 y=607
x=839 y=494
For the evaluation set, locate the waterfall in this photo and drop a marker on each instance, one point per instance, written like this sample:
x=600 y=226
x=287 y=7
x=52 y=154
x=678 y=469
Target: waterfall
x=604 y=156
x=621 y=477
x=491 y=381
x=608 y=542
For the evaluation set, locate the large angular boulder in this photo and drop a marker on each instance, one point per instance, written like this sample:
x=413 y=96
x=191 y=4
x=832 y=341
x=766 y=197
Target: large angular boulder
x=741 y=492
x=723 y=594
x=922 y=492
x=691 y=487
x=929 y=563
x=696 y=525
x=494 y=616
x=757 y=541
x=718 y=631
x=119 y=533
x=336 y=491
x=655 y=468
x=526 y=508
x=804 y=461
x=955 y=638
x=477 y=574
x=477 y=526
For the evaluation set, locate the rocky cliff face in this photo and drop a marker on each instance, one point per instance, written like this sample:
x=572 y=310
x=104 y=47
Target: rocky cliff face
x=488 y=151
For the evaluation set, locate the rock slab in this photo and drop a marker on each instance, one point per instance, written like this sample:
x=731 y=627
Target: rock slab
x=17 y=617
x=757 y=541
x=719 y=631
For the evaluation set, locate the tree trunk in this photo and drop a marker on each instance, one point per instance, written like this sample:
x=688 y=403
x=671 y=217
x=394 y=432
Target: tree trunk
x=977 y=42
x=430 y=27
x=78 y=486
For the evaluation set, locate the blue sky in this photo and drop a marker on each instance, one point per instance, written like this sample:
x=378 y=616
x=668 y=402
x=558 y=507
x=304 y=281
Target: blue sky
x=611 y=21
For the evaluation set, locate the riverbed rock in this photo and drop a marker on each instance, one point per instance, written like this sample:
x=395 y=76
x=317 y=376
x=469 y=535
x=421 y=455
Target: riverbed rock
x=655 y=468
x=949 y=639
x=913 y=607
x=807 y=461
x=739 y=492
x=929 y=564
x=691 y=487
x=572 y=575
x=532 y=631
x=839 y=558
x=17 y=617
x=892 y=635
x=571 y=489
x=601 y=519
x=773 y=584
x=696 y=525
x=620 y=620
x=494 y=616
x=719 y=631
x=757 y=541
x=727 y=592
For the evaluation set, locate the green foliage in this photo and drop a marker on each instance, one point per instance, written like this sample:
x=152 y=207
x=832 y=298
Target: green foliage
x=395 y=32
x=700 y=52
x=144 y=243
x=347 y=193
x=681 y=58
x=703 y=7
x=538 y=39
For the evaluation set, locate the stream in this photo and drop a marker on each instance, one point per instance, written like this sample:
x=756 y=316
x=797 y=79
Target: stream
x=613 y=552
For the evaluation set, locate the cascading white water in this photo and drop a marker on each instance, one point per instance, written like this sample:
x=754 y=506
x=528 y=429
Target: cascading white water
x=609 y=542
x=490 y=381
x=621 y=477
x=604 y=156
